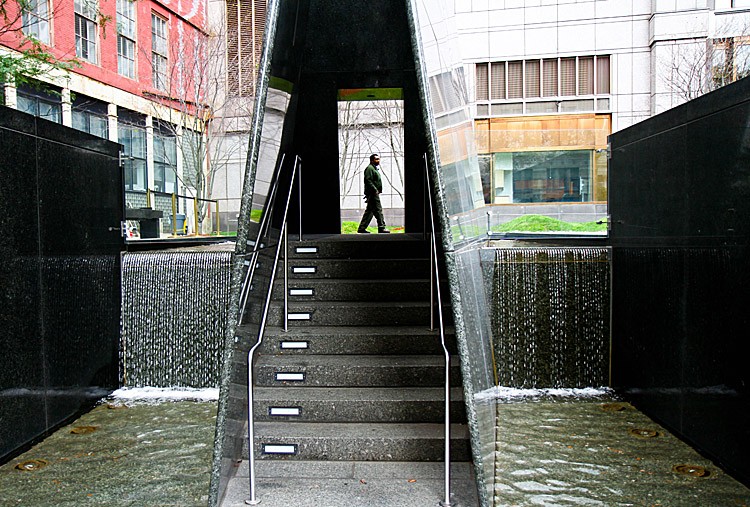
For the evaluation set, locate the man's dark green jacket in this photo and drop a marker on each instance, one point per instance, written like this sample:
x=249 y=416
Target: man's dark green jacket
x=373 y=184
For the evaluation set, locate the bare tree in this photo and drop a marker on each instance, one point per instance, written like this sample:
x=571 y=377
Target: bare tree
x=21 y=23
x=367 y=127
x=697 y=66
x=198 y=109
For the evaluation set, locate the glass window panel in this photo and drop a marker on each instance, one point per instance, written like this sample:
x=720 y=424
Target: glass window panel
x=552 y=176
x=80 y=121
x=602 y=75
x=742 y=60
x=158 y=35
x=126 y=18
x=49 y=111
x=26 y=104
x=567 y=76
x=497 y=81
x=85 y=38
x=586 y=75
x=483 y=90
x=139 y=143
x=532 y=79
x=99 y=126
x=86 y=8
x=515 y=80
x=549 y=78
x=35 y=19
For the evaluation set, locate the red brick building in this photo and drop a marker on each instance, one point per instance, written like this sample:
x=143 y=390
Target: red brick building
x=139 y=79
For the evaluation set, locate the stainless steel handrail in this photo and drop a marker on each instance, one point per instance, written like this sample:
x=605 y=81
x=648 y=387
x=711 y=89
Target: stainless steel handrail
x=435 y=289
x=265 y=221
x=250 y=419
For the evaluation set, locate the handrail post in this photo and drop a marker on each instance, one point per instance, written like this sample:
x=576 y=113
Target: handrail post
x=286 y=278
x=218 y=220
x=261 y=330
x=174 y=214
x=432 y=285
x=433 y=252
x=299 y=192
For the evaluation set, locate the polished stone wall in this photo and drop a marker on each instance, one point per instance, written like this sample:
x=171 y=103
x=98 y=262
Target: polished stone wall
x=60 y=212
x=679 y=202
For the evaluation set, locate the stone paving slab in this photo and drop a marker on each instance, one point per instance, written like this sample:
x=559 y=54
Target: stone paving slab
x=352 y=484
x=134 y=456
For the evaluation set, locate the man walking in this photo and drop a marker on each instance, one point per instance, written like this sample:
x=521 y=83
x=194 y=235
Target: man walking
x=373 y=187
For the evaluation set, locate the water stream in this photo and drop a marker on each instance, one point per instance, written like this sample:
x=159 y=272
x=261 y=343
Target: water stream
x=174 y=316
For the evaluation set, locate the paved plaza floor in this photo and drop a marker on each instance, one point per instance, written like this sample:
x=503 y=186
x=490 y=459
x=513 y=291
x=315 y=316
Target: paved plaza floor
x=549 y=452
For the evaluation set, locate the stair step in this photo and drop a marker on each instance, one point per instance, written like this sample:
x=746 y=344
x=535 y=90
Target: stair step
x=362 y=404
x=363 y=340
x=352 y=371
x=336 y=289
x=350 y=246
x=363 y=269
x=359 y=441
x=352 y=313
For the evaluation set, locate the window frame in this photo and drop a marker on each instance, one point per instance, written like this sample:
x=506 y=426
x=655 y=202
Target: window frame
x=32 y=18
x=126 y=38
x=87 y=45
x=159 y=52
x=585 y=89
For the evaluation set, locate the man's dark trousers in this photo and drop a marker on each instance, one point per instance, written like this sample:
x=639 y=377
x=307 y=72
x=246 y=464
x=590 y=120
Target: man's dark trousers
x=375 y=209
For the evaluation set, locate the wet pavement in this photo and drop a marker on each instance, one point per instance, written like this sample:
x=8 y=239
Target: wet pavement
x=600 y=452
x=550 y=452
x=117 y=455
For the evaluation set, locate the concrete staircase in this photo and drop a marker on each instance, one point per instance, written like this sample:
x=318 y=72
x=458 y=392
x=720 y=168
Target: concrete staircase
x=358 y=377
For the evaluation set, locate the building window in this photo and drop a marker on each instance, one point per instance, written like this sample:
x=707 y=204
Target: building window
x=165 y=160
x=90 y=116
x=730 y=60
x=246 y=22
x=133 y=141
x=126 y=38
x=740 y=3
x=159 y=52
x=85 y=21
x=582 y=78
x=39 y=103
x=539 y=176
x=36 y=20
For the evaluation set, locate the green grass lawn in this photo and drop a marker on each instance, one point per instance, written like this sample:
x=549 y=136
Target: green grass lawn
x=540 y=223
x=351 y=228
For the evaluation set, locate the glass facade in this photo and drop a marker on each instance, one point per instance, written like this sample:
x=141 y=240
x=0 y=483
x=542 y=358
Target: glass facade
x=40 y=103
x=542 y=176
x=165 y=162
x=90 y=116
x=133 y=140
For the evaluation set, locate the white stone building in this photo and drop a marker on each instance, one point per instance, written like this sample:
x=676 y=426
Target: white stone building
x=550 y=79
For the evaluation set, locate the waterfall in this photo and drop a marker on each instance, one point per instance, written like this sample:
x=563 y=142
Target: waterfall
x=174 y=316
x=551 y=317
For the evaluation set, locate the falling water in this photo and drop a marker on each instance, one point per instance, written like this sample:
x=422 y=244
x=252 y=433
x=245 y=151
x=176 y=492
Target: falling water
x=174 y=315
x=551 y=317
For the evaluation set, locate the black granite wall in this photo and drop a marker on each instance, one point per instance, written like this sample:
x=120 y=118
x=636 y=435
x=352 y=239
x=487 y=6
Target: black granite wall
x=679 y=203
x=60 y=209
